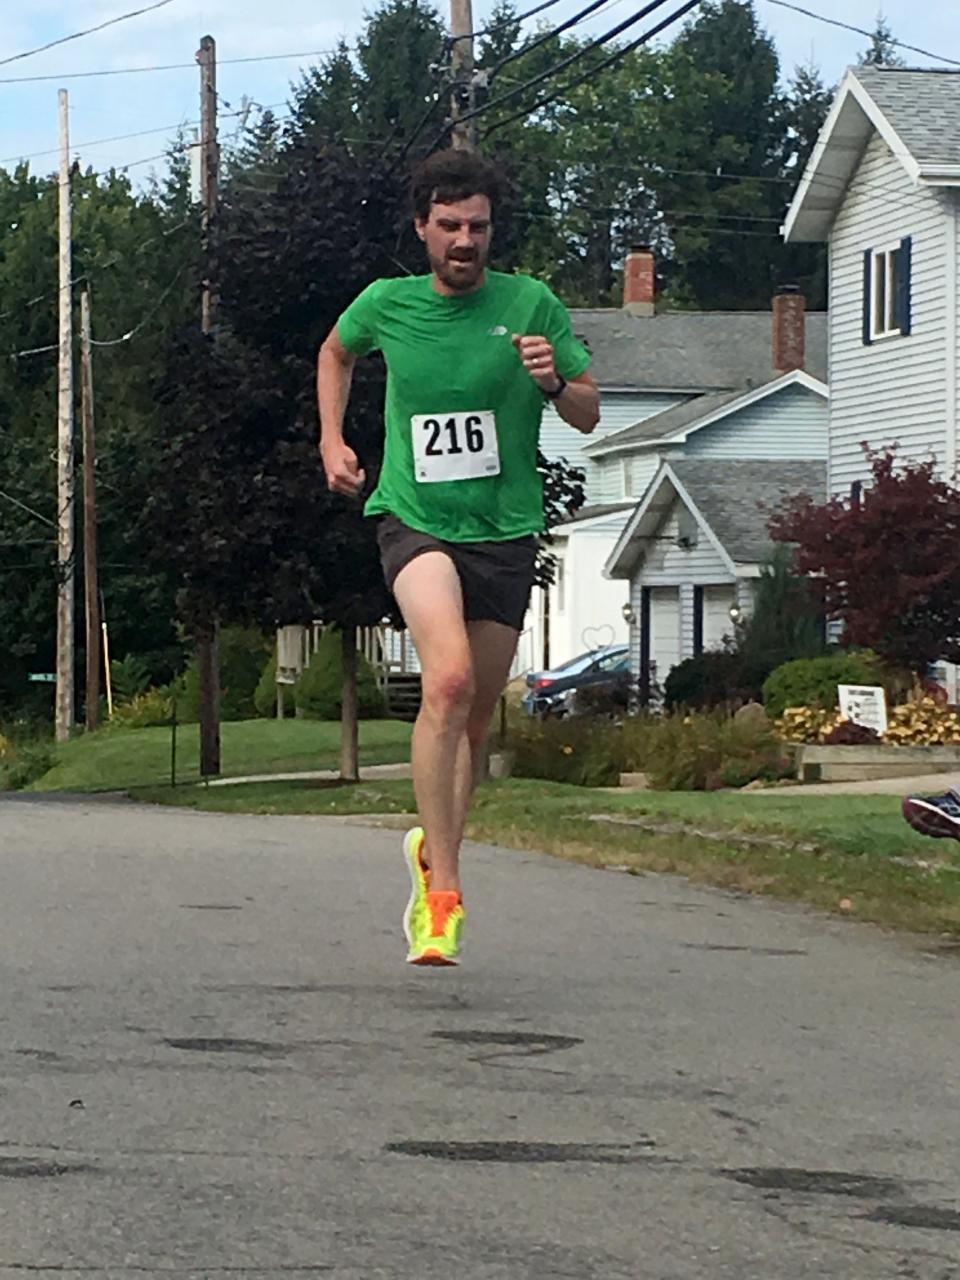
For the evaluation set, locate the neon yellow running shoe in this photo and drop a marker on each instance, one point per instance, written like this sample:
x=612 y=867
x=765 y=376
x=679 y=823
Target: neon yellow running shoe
x=436 y=932
x=414 y=917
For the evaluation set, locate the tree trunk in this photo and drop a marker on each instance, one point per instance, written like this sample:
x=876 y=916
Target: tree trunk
x=208 y=663
x=349 y=718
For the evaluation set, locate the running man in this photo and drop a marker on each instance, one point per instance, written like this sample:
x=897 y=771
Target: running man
x=472 y=357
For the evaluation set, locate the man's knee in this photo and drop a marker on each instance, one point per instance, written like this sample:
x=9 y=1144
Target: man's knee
x=448 y=692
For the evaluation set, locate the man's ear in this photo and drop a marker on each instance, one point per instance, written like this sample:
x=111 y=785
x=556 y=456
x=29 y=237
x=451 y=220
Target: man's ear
x=420 y=226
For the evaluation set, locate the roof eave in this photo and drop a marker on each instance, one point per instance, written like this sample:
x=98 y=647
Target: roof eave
x=845 y=133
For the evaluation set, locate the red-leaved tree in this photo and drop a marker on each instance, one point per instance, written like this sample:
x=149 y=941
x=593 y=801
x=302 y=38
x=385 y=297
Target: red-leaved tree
x=888 y=558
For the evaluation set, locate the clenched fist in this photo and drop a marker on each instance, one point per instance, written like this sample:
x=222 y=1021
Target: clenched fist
x=343 y=470
x=537 y=356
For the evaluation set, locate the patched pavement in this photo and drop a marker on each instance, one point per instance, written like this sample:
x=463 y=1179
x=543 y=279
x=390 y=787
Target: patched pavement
x=216 y=1063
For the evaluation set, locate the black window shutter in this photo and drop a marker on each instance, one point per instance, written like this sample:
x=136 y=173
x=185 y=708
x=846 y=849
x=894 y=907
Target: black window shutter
x=697 y=621
x=904 y=318
x=867 y=296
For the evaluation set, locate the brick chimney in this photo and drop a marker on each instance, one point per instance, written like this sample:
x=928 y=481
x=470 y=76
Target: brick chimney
x=789 y=329
x=639 y=282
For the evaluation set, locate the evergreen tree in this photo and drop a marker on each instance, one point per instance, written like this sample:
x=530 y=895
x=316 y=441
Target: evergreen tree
x=882 y=51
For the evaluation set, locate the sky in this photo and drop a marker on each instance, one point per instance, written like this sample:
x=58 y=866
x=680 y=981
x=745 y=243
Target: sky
x=104 y=107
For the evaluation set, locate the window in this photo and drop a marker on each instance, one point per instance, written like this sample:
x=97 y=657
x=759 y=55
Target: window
x=886 y=291
x=884 y=321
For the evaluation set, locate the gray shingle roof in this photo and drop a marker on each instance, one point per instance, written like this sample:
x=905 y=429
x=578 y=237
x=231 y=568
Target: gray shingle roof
x=690 y=350
x=922 y=105
x=668 y=423
x=737 y=498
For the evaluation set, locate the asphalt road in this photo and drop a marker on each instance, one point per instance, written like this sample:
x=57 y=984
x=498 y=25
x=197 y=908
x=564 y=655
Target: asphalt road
x=215 y=1063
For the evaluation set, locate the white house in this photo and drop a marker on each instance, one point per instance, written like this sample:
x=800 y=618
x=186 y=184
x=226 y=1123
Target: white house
x=743 y=385
x=883 y=189
x=693 y=548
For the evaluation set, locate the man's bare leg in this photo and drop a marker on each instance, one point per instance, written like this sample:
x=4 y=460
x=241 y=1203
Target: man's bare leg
x=430 y=598
x=492 y=648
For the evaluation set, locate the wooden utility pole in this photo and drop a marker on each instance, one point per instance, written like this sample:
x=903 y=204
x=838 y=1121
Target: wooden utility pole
x=208 y=658
x=90 y=584
x=461 y=29
x=65 y=699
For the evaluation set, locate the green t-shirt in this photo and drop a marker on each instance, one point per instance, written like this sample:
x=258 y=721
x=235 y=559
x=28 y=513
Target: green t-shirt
x=458 y=396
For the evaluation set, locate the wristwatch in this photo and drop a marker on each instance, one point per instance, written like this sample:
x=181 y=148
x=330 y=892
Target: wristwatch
x=561 y=387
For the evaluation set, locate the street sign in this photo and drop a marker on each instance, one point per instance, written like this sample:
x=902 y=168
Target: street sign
x=42 y=677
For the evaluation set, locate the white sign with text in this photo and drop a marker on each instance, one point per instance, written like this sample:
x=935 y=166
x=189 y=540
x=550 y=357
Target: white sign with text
x=864 y=704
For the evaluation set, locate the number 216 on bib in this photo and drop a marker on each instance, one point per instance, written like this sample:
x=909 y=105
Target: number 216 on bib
x=455 y=446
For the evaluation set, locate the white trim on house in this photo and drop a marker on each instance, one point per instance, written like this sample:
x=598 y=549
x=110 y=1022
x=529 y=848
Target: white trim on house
x=798 y=378
x=571 y=526
x=888 y=254
x=845 y=134
x=649 y=515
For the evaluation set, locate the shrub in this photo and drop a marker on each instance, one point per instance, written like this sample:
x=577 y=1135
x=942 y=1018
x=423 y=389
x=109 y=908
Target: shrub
x=808 y=682
x=243 y=651
x=319 y=689
x=849 y=734
x=25 y=764
x=129 y=677
x=577 y=750
x=145 y=711
x=707 y=752
x=718 y=677
x=610 y=699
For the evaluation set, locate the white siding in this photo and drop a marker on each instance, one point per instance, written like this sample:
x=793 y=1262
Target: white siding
x=610 y=476
x=717 y=623
x=666 y=562
x=791 y=423
x=592 y=612
x=664 y=632
x=894 y=389
x=618 y=409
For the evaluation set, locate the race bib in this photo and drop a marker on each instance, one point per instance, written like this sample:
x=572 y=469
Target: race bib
x=455 y=446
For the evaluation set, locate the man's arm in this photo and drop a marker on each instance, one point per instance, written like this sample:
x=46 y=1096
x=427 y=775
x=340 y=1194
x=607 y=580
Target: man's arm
x=334 y=377
x=579 y=402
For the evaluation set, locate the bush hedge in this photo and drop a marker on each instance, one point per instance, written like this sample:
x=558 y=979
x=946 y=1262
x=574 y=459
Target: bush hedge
x=319 y=690
x=715 y=678
x=243 y=651
x=812 y=682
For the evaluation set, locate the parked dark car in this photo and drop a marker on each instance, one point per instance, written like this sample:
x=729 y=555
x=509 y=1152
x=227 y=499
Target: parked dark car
x=553 y=692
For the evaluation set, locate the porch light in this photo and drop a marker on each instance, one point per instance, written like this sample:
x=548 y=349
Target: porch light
x=736 y=613
x=629 y=616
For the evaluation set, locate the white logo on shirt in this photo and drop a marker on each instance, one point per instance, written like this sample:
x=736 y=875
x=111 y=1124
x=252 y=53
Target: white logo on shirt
x=498 y=331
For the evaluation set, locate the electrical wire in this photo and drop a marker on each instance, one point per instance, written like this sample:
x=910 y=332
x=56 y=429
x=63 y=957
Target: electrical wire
x=132 y=333
x=602 y=66
x=549 y=35
x=16 y=57
x=552 y=71
x=862 y=31
x=169 y=66
x=510 y=22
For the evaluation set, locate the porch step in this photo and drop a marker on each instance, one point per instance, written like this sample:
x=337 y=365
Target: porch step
x=403 y=694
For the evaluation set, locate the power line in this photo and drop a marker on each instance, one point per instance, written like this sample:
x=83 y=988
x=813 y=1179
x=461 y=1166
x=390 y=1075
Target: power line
x=142 y=133
x=159 y=4
x=602 y=66
x=862 y=31
x=169 y=66
x=501 y=26
x=549 y=35
x=132 y=333
x=552 y=71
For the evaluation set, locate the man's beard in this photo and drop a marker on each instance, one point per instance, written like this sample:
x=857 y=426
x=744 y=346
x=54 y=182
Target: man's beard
x=460 y=274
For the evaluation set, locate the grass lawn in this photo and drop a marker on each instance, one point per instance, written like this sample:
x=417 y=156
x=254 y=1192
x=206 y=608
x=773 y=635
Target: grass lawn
x=821 y=850
x=118 y=759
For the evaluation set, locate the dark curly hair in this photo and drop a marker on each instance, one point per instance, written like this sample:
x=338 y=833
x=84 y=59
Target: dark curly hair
x=449 y=176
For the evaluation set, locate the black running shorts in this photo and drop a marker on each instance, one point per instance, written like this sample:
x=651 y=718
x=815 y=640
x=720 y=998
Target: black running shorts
x=496 y=577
